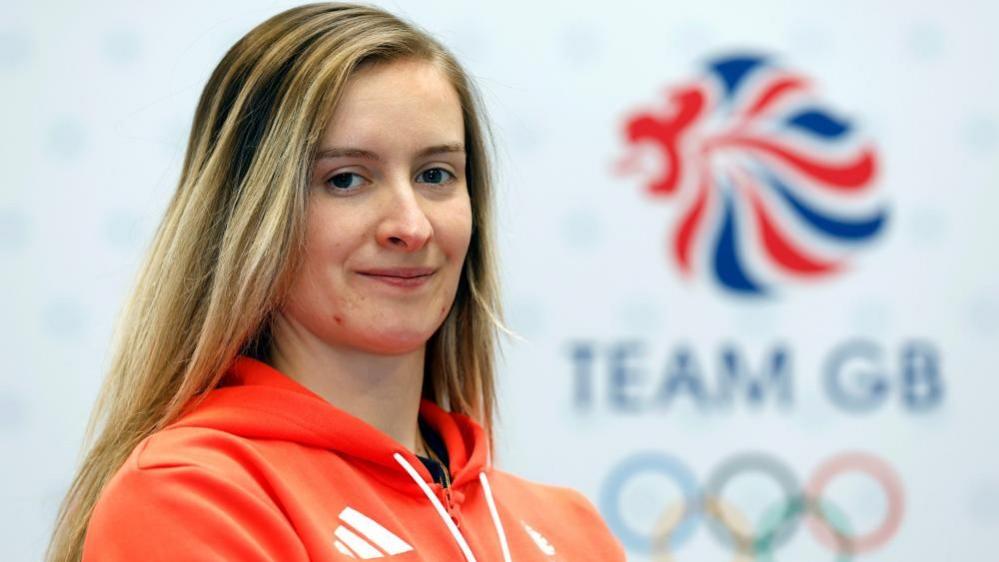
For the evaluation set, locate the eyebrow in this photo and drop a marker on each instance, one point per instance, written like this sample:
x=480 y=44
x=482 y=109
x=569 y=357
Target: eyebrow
x=367 y=154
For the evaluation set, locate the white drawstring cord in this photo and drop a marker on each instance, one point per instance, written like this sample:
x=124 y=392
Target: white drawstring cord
x=437 y=505
x=495 y=515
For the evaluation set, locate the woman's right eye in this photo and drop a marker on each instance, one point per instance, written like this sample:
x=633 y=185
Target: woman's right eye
x=345 y=181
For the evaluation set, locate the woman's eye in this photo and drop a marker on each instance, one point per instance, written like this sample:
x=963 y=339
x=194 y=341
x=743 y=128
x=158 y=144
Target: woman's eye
x=436 y=175
x=345 y=181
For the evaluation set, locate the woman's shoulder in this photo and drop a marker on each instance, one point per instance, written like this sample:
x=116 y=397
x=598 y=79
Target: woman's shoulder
x=207 y=448
x=192 y=456
x=557 y=518
x=184 y=490
x=186 y=458
x=569 y=501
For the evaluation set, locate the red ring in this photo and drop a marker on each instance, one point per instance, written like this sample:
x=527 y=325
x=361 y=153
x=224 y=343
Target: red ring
x=880 y=471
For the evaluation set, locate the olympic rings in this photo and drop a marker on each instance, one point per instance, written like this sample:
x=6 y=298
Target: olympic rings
x=677 y=522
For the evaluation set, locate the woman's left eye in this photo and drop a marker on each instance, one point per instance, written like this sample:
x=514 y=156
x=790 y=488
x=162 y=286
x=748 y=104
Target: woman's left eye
x=436 y=175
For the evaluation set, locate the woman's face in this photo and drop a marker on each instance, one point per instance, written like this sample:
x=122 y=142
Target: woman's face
x=389 y=218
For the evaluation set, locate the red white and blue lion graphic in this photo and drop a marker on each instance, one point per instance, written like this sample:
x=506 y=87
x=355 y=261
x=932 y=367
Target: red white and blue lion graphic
x=772 y=186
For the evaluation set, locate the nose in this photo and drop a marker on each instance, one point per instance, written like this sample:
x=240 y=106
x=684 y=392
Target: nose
x=404 y=224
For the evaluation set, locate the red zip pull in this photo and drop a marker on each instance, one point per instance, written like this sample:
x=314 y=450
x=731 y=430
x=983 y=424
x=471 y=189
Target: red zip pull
x=443 y=494
x=453 y=510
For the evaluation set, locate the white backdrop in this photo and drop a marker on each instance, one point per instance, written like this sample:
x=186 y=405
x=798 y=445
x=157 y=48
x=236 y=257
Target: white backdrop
x=600 y=394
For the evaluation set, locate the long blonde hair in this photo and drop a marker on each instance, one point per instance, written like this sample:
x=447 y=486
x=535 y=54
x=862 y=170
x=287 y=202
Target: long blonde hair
x=232 y=236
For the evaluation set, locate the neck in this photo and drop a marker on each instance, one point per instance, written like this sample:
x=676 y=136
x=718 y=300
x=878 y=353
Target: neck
x=382 y=390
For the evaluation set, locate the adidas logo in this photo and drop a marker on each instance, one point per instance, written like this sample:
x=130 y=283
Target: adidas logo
x=360 y=537
x=539 y=540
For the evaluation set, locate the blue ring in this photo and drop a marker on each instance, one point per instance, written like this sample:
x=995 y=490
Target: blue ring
x=659 y=463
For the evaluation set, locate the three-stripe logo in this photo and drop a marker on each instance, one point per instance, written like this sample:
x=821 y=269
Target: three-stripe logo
x=361 y=537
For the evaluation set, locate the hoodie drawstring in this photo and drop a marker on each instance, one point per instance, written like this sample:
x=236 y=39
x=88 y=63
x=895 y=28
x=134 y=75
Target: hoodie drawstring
x=469 y=557
x=495 y=515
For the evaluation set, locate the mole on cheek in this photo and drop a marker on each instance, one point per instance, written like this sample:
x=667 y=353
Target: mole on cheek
x=338 y=319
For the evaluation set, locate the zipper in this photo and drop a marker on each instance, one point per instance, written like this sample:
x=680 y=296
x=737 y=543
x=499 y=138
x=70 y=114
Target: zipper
x=447 y=498
x=444 y=490
x=435 y=493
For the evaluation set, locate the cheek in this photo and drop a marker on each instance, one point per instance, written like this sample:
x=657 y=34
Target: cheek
x=333 y=232
x=455 y=240
x=318 y=299
x=455 y=230
x=326 y=249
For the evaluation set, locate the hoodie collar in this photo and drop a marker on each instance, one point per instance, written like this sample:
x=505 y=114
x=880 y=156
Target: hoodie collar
x=256 y=401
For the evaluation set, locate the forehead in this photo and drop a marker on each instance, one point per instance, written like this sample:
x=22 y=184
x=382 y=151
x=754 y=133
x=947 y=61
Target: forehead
x=405 y=101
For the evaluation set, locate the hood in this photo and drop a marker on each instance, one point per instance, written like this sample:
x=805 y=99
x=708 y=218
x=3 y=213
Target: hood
x=256 y=401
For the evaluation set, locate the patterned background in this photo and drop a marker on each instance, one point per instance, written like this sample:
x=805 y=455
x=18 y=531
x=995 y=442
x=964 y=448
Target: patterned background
x=98 y=97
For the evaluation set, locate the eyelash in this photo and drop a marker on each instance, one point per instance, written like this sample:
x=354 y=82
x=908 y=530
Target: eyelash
x=354 y=188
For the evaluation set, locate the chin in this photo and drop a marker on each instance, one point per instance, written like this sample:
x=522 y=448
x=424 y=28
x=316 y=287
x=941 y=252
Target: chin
x=396 y=342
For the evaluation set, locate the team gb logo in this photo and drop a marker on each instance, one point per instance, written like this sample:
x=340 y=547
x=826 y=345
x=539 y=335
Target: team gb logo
x=771 y=185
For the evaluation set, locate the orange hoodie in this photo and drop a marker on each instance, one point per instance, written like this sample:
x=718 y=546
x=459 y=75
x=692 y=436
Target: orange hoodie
x=266 y=470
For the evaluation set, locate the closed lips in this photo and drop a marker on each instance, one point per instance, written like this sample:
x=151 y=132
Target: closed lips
x=401 y=273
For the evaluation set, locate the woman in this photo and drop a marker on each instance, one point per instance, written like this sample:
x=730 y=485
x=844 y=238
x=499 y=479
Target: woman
x=305 y=369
